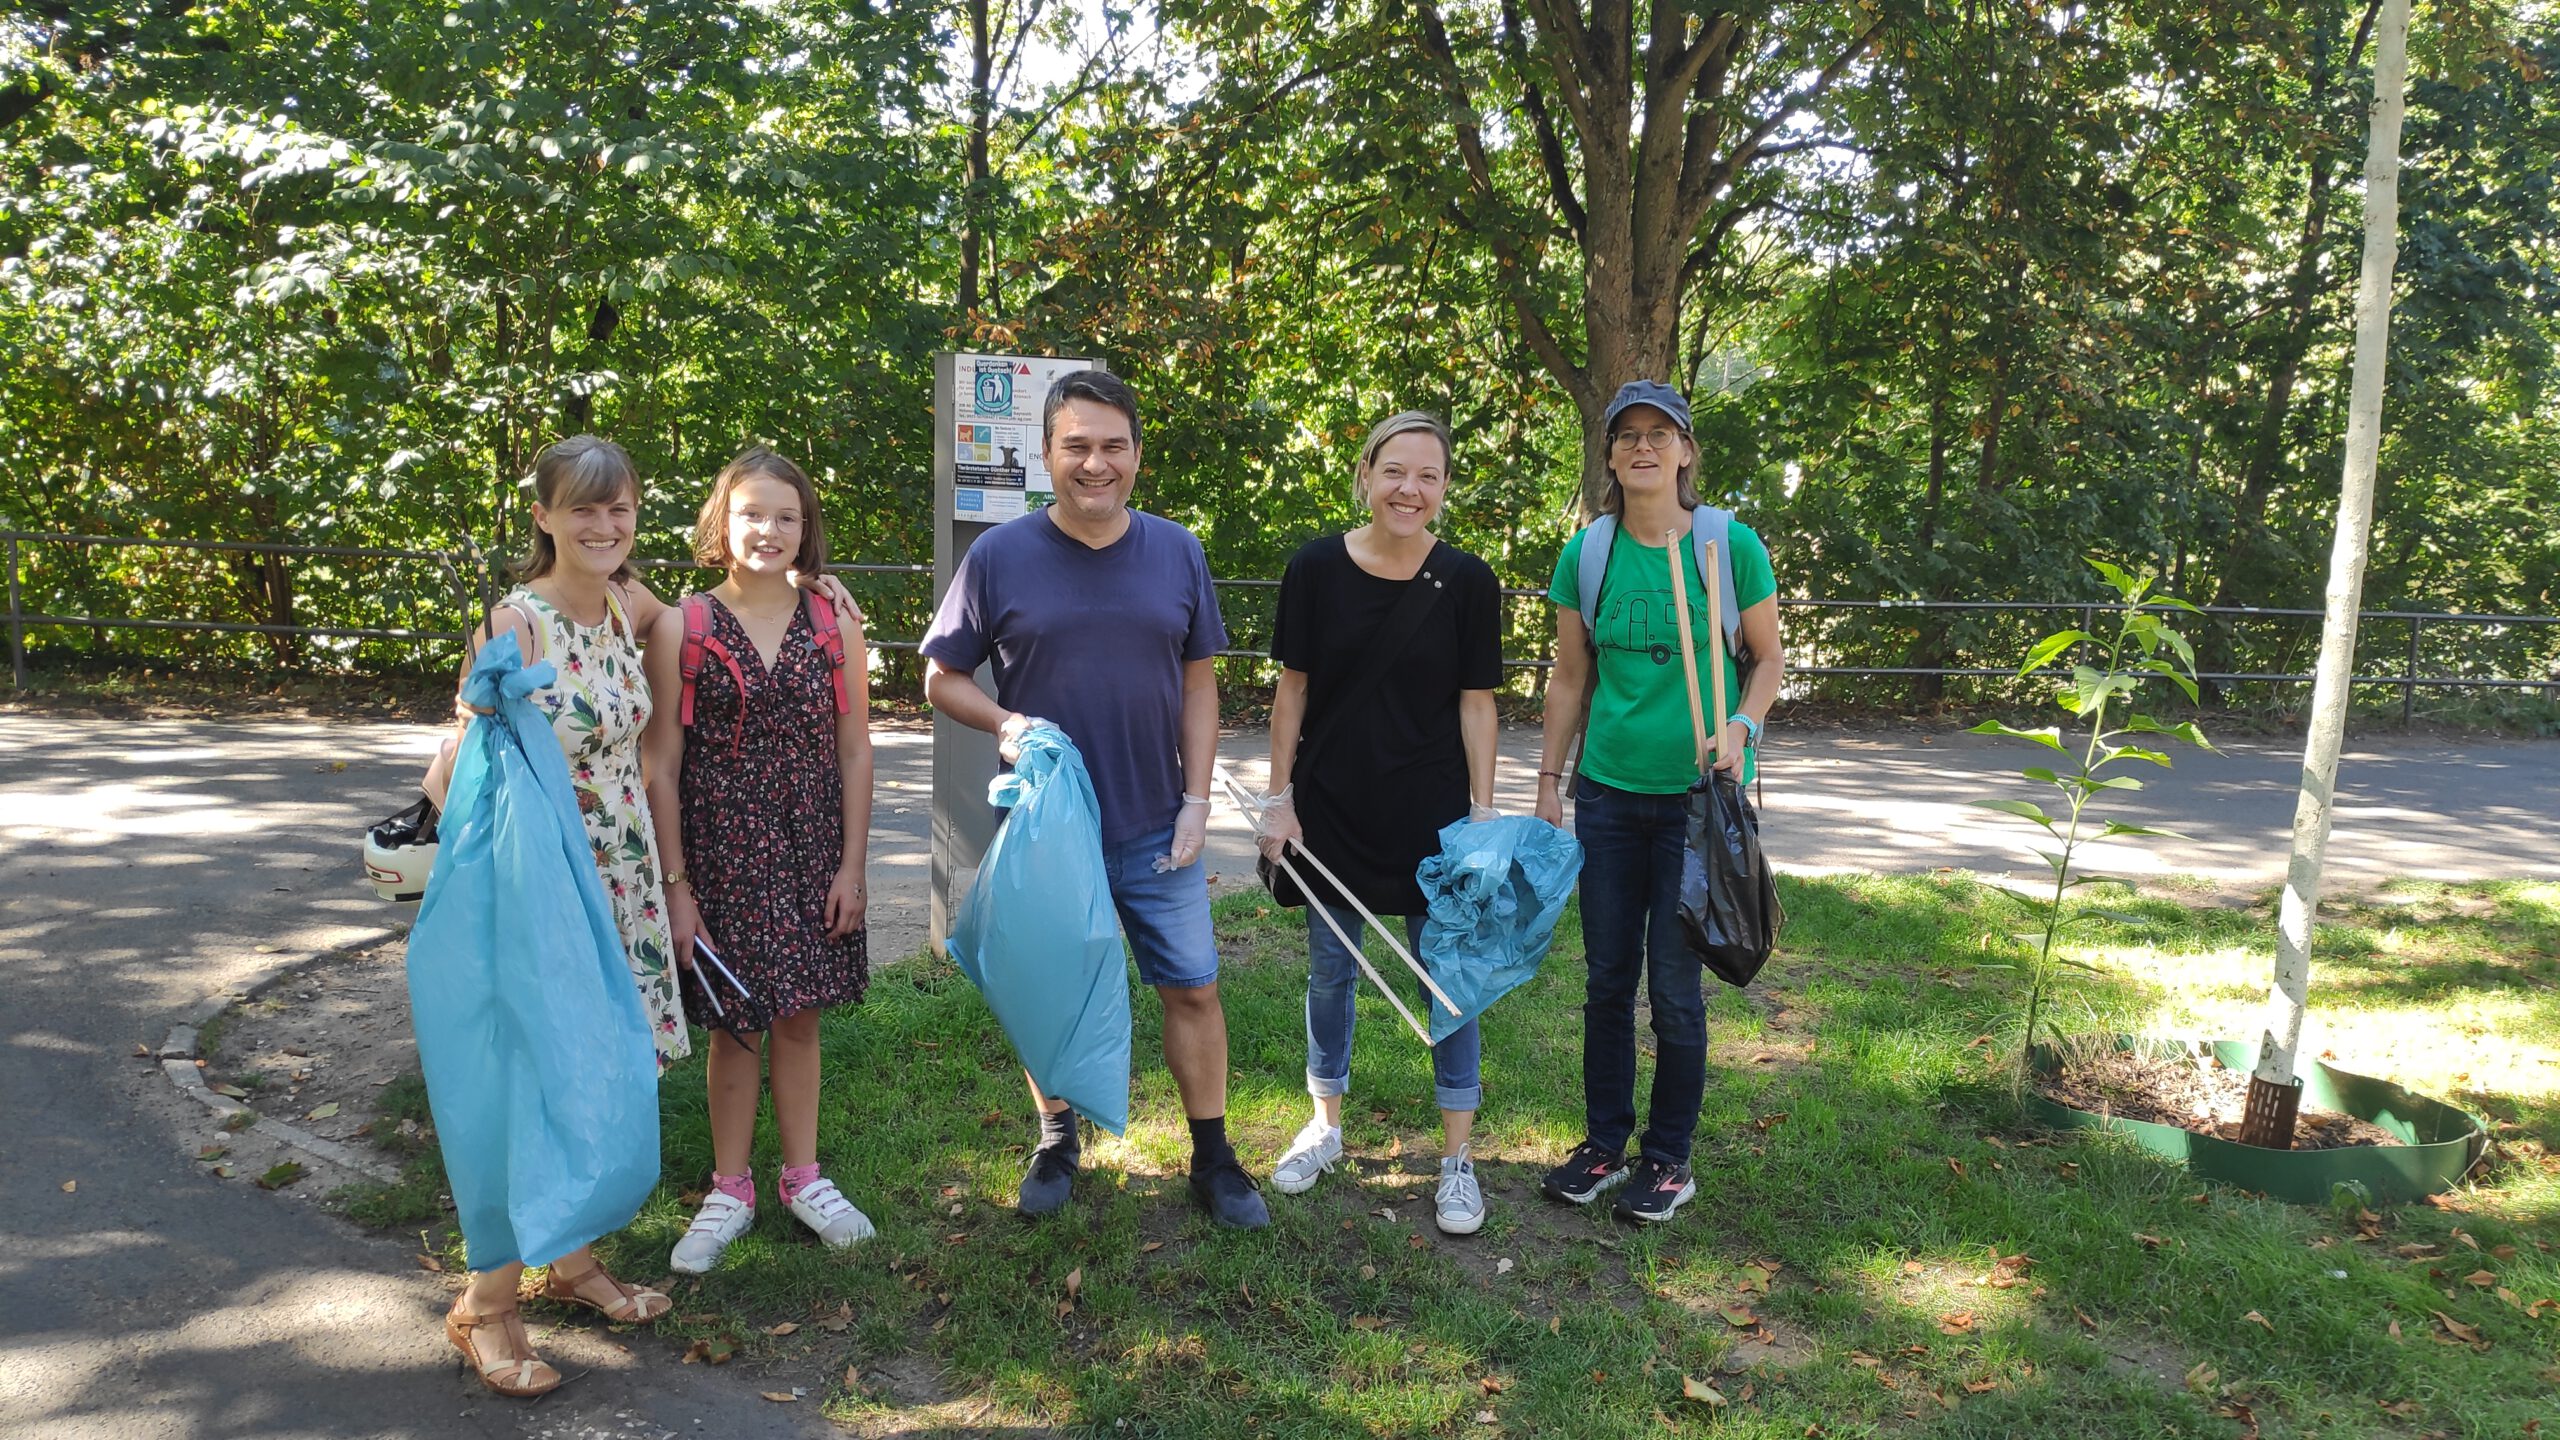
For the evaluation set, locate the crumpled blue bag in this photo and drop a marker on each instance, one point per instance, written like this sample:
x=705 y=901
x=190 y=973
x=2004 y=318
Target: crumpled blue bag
x=1038 y=937
x=540 y=1072
x=1494 y=894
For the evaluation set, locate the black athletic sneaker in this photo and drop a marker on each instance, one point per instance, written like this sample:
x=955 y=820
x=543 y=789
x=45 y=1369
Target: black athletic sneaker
x=1586 y=1172
x=1223 y=1189
x=1655 y=1191
x=1048 y=1180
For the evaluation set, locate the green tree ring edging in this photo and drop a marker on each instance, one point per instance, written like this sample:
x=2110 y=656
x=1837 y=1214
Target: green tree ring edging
x=2439 y=1142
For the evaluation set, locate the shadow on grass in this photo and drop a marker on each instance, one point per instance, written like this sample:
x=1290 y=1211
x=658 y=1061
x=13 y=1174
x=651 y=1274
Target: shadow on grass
x=1878 y=1245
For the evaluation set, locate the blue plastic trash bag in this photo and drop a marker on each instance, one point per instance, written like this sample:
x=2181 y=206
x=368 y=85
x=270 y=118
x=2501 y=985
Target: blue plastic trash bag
x=539 y=1068
x=1038 y=937
x=1494 y=893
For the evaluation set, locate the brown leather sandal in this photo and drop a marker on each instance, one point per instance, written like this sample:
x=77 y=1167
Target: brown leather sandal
x=522 y=1377
x=631 y=1305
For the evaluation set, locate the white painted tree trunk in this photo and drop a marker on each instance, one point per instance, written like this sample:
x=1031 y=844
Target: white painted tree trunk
x=2278 y=1047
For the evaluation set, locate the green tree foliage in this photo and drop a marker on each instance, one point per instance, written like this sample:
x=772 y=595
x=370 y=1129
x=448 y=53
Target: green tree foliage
x=1962 y=289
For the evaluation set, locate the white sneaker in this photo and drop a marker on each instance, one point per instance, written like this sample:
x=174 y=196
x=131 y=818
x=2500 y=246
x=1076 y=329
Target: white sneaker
x=1317 y=1149
x=823 y=1208
x=1459 y=1207
x=723 y=1218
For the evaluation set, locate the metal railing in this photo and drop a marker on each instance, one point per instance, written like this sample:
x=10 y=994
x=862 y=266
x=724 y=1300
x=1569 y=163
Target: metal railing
x=471 y=578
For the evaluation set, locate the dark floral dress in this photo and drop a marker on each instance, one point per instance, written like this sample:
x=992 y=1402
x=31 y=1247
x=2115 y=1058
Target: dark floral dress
x=764 y=822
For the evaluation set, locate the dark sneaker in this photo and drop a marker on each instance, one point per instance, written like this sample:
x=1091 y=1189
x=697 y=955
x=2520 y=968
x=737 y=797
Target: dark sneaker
x=1048 y=1181
x=1655 y=1191
x=1227 y=1193
x=1586 y=1172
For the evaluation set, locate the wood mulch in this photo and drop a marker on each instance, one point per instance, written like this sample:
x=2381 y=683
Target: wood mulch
x=2202 y=1098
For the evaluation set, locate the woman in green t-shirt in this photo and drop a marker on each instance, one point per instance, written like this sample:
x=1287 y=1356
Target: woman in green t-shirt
x=1623 y=672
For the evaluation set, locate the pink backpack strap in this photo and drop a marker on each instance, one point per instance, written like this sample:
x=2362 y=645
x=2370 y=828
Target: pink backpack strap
x=697 y=634
x=698 y=639
x=822 y=622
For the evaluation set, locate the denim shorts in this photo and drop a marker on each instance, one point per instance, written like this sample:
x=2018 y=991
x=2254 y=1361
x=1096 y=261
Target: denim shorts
x=1164 y=915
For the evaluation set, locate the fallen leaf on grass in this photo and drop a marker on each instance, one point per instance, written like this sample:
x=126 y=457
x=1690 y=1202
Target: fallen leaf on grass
x=431 y=1264
x=1486 y=1417
x=2234 y=1410
x=2542 y=1307
x=2502 y=1252
x=2068 y=1169
x=2465 y=1334
x=1862 y=1358
x=2399 y=1409
x=1753 y=1281
x=239 y=1120
x=2465 y=1237
x=955 y=1237
x=1555 y=1324
x=1367 y=1322
x=1739 y=1317
x=840 y=1321
x=2084 y=1317
x=213 y=1152
x=2201 y=1379
x=1368 y=1272
x=2394 y=1332
x=281 y=1174
x=1767 y=1123
x=1417 y=1242
x=1693 y=1388
x=322 y=1112
x=1502 y=1266
x=2256 y=1318
x=2148 y=1242
x=224 y=1171
x=2479 y=1279
x=1912 y=1267
x=2416 y=1252
x=787 y=1327
x=1980 y=1387
x=853 y=1377
x=234 y=1091
x=779 y=1397
x=1489 y=1385
x=1153 y=1246
x=1956 y=1323
x=1956 y=1165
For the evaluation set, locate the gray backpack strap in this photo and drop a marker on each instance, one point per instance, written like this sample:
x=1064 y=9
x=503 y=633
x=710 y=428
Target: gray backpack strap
x=1711 y=526
x=1592 y=568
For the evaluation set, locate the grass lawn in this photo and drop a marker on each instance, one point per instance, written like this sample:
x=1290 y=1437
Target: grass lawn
x=1879 y=1245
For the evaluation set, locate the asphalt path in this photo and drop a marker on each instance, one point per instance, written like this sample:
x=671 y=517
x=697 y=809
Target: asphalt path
x=148 y=865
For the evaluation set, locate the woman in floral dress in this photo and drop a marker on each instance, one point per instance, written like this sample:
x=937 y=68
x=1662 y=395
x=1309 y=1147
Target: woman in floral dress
x=761 y=787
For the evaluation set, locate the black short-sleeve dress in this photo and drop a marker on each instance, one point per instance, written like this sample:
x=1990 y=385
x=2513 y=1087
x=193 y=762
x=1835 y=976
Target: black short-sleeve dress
x=1392 y=770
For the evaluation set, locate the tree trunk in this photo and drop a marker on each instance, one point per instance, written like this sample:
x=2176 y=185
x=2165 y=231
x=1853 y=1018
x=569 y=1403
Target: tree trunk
x=2286 y=998
x=982 y=59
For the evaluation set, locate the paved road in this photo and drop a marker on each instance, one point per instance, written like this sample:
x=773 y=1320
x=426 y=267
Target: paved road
x=146 y=865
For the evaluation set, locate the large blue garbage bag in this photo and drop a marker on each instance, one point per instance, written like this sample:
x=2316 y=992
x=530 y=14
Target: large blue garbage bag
x=539 y=1067
x=1494 y=893
x=1038 y=937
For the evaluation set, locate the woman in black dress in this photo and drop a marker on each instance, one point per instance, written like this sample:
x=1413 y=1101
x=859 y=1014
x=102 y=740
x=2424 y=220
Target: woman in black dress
x=1382 y=732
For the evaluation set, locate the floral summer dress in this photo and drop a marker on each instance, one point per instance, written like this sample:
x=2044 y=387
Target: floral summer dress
x=598 y=706
x=764 y=821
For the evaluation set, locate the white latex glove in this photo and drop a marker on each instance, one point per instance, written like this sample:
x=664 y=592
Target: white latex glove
x=1277 y=822
x=1477 y=814
x=1009 y=735
x=1190 y=832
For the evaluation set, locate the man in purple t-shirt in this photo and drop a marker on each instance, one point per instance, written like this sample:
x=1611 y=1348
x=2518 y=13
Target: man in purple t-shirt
x=1102 y=618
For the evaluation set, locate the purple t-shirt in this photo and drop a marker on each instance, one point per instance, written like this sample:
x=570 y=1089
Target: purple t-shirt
x=1094 y=640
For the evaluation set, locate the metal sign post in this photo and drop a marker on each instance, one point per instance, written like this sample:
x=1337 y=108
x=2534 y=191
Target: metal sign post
x=987 y=469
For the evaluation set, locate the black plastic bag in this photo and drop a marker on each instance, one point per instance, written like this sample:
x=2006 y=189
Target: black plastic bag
x=1729 y=911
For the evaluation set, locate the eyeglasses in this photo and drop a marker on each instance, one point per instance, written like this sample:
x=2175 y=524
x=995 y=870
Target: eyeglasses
x=1658 y=439
x=787 y=520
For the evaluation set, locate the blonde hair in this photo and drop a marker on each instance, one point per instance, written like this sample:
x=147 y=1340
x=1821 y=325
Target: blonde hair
x=581 y=470
x=1403 y=422
x=756 y=462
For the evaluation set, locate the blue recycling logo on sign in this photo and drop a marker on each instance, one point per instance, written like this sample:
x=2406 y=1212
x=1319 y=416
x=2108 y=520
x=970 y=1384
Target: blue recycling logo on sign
x=995 y=392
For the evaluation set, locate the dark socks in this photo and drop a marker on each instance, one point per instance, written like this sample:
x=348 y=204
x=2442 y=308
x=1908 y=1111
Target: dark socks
x=1058 y=1131
x=1209 y=1142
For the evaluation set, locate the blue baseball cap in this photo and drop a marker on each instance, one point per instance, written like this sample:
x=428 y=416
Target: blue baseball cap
x=1646 y=392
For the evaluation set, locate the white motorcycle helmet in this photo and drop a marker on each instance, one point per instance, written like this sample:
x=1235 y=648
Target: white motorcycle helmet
x=400 y=852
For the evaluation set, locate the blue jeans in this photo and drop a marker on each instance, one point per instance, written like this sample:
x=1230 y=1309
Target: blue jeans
x=1333 y=977
x=1164 y=914
x=1631 y=852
